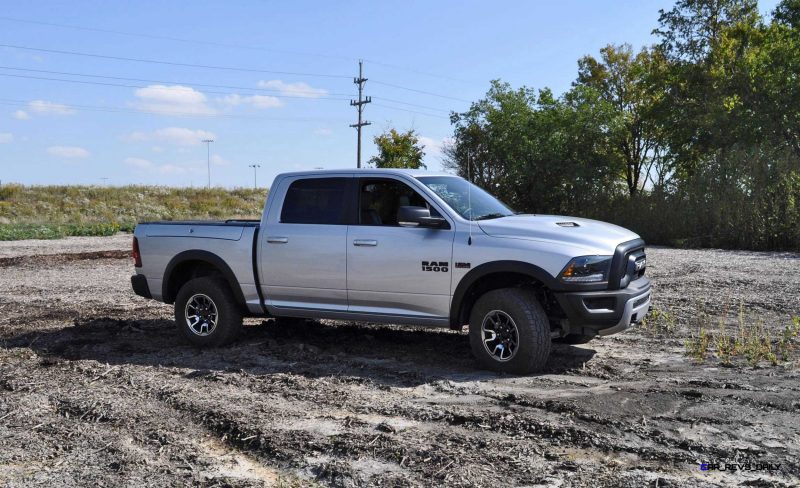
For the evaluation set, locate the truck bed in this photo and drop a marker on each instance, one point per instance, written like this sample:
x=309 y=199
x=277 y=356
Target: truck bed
x=236 y=222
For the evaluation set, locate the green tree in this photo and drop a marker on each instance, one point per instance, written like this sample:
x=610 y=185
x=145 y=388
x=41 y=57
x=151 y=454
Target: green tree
x=398 y=150
x=537 y=152
x=632 y=84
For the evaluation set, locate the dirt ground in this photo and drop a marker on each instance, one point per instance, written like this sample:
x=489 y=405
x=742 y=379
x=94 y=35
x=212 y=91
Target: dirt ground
x=97 y=389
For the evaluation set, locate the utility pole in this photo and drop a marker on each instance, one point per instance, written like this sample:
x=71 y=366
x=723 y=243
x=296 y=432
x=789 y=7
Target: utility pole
x=360 y=107
x=255 y=170
x=208 y=160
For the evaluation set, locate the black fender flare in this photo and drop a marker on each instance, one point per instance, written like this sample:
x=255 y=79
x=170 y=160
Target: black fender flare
x=206 y=257
x=518 y=267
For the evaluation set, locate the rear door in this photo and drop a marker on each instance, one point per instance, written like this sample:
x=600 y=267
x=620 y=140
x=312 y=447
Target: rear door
x=304 y=255
x=393 y=270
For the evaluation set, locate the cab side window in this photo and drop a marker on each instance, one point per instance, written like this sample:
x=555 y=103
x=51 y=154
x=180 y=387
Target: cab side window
x=379 y=200
x=315 y=201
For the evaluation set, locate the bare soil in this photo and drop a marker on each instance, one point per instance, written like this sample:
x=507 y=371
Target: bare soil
x=97 y=389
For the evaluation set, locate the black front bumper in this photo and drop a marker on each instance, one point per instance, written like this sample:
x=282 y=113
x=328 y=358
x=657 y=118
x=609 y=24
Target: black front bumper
x=140 y=287
x=606 y=311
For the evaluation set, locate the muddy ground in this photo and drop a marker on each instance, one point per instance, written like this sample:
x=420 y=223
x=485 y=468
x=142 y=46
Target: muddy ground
x=97 y=389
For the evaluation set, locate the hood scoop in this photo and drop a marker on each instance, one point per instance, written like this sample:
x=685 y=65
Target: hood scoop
x=567 y=224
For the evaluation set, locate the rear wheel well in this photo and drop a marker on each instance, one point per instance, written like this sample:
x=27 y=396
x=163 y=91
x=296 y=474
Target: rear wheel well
x=187 y=271
x=504 y=279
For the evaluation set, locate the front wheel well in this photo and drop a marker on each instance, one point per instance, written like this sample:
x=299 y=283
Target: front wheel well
x=495 y=281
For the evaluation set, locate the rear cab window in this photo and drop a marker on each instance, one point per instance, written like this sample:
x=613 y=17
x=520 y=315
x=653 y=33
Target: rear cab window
x=321 y=201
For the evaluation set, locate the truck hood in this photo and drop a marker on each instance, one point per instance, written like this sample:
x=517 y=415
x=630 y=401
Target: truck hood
x=595 y=236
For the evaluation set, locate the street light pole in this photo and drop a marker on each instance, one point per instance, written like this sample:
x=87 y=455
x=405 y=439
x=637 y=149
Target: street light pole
x=255 y=174
x=208 y=160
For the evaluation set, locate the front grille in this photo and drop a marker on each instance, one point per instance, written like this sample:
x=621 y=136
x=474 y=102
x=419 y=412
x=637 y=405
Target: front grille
x=623 y=264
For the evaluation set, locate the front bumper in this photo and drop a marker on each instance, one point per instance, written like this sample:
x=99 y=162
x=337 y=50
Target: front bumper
x=140 y=286
x=605 y=312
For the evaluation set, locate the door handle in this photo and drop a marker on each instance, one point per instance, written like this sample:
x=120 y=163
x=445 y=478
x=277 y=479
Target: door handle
x=277 y=240
x=365 y=242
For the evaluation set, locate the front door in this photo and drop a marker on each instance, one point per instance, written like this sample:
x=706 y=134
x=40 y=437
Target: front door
x=393 y=270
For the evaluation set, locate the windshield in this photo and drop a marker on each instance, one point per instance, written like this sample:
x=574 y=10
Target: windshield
x=459 y=193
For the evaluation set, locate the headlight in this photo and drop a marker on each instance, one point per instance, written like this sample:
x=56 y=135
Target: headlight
x=587 y=269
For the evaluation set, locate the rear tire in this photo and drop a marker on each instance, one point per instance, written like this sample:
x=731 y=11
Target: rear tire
x=206 y=313
x=509 y=331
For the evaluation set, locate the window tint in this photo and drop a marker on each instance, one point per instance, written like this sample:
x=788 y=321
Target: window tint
x=379 y=201
x=315 y=201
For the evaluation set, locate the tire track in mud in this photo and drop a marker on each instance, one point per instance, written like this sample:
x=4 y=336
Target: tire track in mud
x=150 y=444
x=523 y=427
x=359 y=405
x=315 y=389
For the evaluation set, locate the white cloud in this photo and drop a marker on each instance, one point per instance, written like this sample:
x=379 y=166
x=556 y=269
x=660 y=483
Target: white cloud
x=70 y=152
x=219 y=160
x=6 y=137
x=147 y=166
x=139 y=163
x=43 y=107
x=179 y=136
x=21 y=115
x=174 y=99
x=173 y=169
x=325 y=131
x=257 y=101
x=298 y=89
x=434 y=146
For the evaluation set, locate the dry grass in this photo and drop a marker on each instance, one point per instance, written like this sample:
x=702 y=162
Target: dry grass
x=48 y=212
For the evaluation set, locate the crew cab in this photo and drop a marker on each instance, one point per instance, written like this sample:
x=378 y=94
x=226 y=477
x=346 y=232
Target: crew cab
x=402 y=247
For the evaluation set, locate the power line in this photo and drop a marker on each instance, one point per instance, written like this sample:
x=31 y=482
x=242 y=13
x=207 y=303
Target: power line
x=145 y=80
x=120 y=85
x=412 y=111
x=177 y=39
x=173 y=63
x=412 y=104
x=336 y=96
x=416 y=91
x=344 y=96
x=228 y=45
x=96 y=108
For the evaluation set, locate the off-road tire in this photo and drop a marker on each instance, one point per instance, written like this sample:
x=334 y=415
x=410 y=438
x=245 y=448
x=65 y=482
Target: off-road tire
x=229 y=316
x=575 y=339
x=533 y=328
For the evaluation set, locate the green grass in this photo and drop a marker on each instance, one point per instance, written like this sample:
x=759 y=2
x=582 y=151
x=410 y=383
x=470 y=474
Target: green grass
x=52 y=212
x=751 y=341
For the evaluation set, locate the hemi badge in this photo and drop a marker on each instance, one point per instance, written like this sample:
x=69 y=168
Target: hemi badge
x=463 y=265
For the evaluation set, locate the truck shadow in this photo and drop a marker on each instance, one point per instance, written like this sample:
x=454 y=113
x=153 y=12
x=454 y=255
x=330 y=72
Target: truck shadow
x=383 y=354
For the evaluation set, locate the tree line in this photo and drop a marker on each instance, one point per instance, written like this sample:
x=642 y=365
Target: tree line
x=694 y=141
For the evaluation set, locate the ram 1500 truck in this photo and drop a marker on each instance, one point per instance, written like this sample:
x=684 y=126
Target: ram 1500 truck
x=400 y=247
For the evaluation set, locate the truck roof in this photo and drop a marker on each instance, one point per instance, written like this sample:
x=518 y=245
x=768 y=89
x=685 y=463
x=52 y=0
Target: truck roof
x=414 y=173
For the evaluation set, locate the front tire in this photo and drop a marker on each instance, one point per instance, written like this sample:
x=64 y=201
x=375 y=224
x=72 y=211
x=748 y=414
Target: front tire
x=509 y=331
x=206 y=313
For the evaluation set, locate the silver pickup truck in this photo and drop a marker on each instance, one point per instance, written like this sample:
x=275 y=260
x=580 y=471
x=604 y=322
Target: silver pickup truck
x=401 y=247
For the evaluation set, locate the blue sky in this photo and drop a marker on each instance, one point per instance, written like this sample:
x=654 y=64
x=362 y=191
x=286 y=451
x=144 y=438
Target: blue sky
x=285 y=106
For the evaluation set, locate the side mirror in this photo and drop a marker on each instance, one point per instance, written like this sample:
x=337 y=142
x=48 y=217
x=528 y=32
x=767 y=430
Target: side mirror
x=418 y=217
